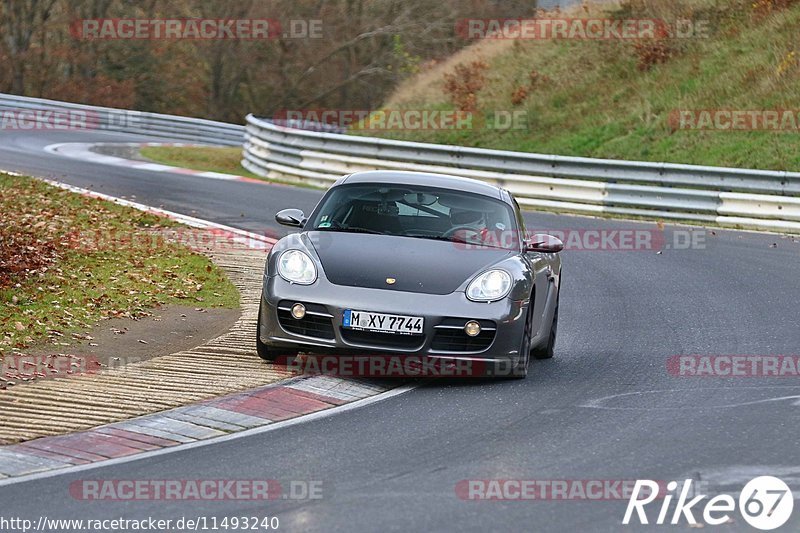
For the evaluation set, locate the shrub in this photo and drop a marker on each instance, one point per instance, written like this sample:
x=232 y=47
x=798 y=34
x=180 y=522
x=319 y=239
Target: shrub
x=650 y=53
x=464 y=83
x=766 y=7
x=537 y=78
x=519 y=95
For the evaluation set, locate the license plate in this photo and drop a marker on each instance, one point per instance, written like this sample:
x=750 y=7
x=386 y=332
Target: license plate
x=397 y=324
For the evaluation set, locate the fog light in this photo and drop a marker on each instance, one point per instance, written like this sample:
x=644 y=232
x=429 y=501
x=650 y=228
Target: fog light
x=298 y=311
x=472 y=328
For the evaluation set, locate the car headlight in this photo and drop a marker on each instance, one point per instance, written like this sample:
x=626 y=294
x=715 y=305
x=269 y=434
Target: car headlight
x=297 y=267
x=490 y=286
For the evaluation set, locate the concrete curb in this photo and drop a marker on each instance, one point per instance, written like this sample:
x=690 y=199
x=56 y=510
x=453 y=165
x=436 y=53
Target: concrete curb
x=255 y=408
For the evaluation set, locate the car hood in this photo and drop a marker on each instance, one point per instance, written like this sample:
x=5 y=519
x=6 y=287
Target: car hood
x=417 y=265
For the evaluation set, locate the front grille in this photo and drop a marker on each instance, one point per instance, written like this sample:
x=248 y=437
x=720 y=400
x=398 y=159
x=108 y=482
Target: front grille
x=317 y=323
x=383 y=340
x=450 y=336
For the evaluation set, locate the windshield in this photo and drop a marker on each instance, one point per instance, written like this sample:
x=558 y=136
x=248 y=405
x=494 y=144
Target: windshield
x=417 y=212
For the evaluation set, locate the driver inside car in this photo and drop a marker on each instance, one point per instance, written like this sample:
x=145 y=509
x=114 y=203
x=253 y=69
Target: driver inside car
x=471 y=225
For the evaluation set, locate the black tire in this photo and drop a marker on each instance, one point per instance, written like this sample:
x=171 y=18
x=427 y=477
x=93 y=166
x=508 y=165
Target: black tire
x=520 y=370
x=547 y=350
x=264 y=352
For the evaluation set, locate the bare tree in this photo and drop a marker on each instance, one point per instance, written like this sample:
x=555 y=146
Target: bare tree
x=366 y=47
x=19 y=21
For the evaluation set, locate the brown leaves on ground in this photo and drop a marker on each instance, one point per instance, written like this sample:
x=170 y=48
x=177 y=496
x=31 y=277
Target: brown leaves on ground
x=23 y=253
x=67 y=261
x=40 y=224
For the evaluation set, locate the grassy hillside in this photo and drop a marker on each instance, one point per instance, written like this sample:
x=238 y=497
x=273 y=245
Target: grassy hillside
x=614 y=99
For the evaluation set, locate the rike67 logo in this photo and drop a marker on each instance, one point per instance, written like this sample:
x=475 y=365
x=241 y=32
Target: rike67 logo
x=765 y=503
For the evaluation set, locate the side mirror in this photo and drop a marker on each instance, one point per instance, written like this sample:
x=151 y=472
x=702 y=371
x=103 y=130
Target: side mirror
x=291 y=217
x=543 y=243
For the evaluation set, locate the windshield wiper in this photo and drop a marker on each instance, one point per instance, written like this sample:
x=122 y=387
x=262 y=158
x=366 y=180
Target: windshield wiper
x=455 y=239
x=452 y=238
x=351 y=229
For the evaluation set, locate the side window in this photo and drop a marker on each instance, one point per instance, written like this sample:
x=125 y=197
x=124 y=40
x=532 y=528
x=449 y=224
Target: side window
x=520 y=220
x=518 y=212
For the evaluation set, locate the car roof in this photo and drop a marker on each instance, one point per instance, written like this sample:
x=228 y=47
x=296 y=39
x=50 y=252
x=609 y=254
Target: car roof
x=444 y=181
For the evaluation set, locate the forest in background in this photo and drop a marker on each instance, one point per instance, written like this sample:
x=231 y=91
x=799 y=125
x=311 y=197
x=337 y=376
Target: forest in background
x=367 y=47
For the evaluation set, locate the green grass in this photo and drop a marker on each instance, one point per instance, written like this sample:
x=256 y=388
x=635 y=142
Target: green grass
x=100 y=269
x=226 y=160
x=597 y=103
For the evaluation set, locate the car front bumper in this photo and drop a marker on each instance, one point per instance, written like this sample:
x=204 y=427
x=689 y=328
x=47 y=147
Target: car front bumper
x=442 y=338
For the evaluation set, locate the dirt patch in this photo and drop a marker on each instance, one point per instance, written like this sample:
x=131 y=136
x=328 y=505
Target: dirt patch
x=118 y=342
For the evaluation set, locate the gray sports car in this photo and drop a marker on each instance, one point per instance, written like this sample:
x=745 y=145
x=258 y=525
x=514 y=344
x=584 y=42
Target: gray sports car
x=412 y=264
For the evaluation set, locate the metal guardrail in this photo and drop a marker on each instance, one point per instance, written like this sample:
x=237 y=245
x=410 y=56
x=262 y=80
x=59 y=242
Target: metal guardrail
x=24 y=113
x=751 y=199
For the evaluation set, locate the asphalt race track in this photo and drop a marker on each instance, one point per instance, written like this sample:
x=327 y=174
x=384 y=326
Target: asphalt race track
x=605 y=408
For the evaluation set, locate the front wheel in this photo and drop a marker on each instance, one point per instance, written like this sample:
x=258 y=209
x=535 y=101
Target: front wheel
x=264 y=352
x=520 y=370
x=547 y=350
